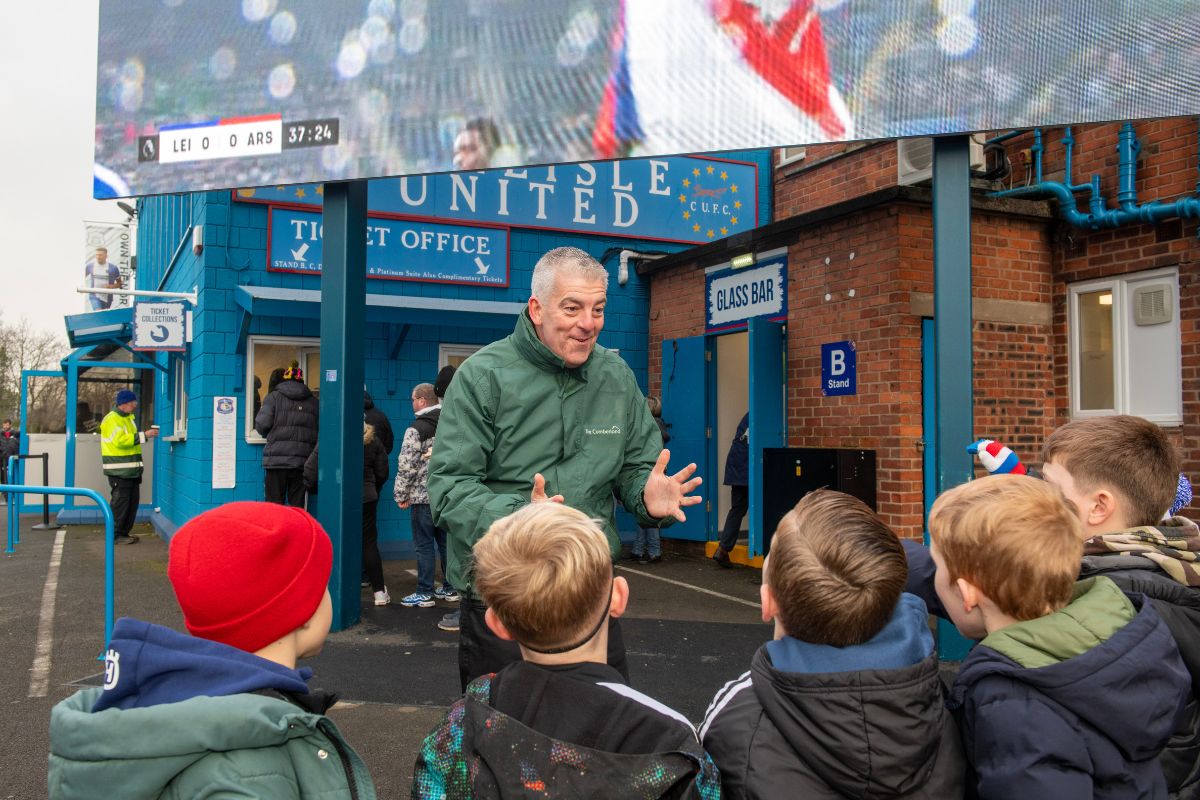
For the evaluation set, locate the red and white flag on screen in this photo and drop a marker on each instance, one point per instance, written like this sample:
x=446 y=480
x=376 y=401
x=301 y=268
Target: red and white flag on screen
x=705 y=75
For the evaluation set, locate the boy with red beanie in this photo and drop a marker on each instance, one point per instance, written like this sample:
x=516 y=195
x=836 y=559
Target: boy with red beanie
x=225 y=709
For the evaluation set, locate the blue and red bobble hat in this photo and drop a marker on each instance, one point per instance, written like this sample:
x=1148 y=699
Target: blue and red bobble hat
x=247 y=574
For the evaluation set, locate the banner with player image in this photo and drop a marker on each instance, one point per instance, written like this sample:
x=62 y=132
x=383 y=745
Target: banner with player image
x=107 y=263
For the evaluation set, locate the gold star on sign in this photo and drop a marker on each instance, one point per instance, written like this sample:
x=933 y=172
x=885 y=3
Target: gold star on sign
x=686 y=183
x=737 y=203
x=724 y=231
x=733 y=220
x=683 y=198
x=299 y=193
x=733 y=188
x=687 y=215
x=696 y=227
x=710 y=169
x=280 y=188
x=321 y=189
x=696 y=172
x=710 y=233
x=724 y=175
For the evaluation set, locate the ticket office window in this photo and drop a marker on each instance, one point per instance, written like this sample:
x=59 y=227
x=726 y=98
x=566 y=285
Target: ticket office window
x=268 y=356
x=179 y=398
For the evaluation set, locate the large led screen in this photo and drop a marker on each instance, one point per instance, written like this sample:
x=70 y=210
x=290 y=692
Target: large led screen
x=204 y=94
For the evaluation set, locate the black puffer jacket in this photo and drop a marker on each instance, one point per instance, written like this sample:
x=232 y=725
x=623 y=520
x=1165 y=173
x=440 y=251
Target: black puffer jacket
x=379 y=421
x=10 y=445
x=288 y=419
x=868 y=734
x=375 y=467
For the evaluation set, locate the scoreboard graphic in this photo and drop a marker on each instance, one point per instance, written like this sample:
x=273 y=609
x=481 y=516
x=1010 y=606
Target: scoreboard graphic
x=235 y=137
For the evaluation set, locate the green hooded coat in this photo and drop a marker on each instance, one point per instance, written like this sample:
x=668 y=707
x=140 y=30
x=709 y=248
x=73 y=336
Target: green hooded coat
x=515 y=409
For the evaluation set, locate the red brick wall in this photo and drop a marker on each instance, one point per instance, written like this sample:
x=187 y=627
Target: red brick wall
x=822 y=178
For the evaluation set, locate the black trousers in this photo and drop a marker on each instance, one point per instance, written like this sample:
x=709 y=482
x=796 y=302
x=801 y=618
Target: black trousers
x=480 y=651
x=285 y=486
x=126 y=494
x=739 y=498
x=372 y=563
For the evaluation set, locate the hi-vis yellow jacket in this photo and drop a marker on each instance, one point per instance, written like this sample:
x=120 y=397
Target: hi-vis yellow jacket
x=121 y=445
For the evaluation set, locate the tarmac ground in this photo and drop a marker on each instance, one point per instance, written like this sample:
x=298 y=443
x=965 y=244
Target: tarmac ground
x=690 y=627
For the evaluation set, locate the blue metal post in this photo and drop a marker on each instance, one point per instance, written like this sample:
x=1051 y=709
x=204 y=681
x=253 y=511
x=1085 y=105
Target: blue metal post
x=106 y=510
x=952 y=325
x=340 y=462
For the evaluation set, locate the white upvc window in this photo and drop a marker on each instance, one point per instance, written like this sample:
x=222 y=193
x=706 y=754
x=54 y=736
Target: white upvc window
x=264 y=355
x=1124 y=346
x=179 y=397
x=454 y=355
x=790 y=155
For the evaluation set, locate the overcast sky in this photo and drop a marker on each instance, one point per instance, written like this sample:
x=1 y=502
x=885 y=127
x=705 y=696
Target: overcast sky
x=49 y=107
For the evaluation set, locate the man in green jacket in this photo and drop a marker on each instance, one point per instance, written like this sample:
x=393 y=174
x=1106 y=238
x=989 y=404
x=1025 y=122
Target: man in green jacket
x=121 y=456
x=546 y=415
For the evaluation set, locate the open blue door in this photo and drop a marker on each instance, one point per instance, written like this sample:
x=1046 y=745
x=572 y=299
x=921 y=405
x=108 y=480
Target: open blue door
x=685 y=394
x=768 y=418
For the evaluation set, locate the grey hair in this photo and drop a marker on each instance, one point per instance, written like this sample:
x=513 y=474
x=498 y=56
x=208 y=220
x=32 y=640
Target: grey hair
x=564 y=261
x=425 y=392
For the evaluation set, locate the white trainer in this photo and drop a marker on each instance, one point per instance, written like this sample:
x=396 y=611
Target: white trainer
x=382 y=598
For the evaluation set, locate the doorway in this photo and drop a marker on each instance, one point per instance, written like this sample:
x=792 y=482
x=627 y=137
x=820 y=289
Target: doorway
x=733 y=401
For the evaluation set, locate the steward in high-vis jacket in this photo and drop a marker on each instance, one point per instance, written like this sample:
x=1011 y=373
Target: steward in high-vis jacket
x=546 y=414
x=121 y=457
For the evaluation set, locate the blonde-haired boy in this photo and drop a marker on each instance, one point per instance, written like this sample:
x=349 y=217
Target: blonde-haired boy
x=561 y=722
x=845 y=701
x=1074 y=689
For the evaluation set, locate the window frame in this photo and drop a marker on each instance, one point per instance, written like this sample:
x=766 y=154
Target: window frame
x=1118 y=286
x=448 y=350
x=303 y=345
x=179 y=398
x=785 y=159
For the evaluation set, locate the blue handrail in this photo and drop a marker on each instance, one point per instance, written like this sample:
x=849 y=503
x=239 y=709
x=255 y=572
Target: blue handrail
x=105 y=509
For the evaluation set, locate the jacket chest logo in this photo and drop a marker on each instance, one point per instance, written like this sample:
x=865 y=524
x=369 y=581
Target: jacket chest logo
x=611 y=430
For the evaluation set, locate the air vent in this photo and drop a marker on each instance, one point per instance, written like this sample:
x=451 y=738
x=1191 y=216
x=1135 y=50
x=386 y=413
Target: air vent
x=1153 y=304
x=914 y=159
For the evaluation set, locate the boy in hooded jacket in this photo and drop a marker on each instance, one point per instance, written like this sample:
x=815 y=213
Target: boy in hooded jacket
x=845 y=701
x=560 y=723
x=1075 y=687
x=1120 y=473
x=223 y=711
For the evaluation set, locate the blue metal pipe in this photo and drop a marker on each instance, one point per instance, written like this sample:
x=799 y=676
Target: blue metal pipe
x=1099 y=216
x=1004 y=137
x=1128 y=147
x=106 y=510
x=1037 y=154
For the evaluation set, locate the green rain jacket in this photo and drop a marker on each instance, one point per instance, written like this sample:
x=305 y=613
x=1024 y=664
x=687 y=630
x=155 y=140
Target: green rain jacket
x=238 y=746
x=514 y=409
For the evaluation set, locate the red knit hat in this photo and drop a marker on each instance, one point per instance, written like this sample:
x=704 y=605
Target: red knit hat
x=246 y=574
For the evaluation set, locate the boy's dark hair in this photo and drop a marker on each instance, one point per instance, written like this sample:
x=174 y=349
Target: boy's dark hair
x=1122 y=453
x=489 y=134
x=836 y=570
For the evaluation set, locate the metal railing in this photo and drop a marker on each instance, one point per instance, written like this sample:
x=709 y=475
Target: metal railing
x=44 y=525
x=105 y=509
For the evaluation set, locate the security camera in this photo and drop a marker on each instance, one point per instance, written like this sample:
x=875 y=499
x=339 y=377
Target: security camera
x=198 y=239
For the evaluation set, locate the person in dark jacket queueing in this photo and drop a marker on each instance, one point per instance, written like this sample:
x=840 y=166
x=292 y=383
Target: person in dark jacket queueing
x=560 y=722
x=375 y=470
x=1121 y=473
x=10 y=445
x=1075 y=688
x=379 y=421
x=288 y=419
x=737 y=478
x=845 y=701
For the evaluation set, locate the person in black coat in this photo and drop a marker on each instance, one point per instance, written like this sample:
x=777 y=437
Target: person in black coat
x=379 y=421
x=737 y=478
x=846 y=700
x=288 y=420
x=375 y=471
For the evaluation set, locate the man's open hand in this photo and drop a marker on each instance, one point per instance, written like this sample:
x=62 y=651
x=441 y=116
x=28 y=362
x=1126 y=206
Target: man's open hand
x=666 y=495
x=538 y=495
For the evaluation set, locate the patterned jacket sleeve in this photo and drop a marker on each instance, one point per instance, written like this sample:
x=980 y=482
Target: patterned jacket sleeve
x=408 y=465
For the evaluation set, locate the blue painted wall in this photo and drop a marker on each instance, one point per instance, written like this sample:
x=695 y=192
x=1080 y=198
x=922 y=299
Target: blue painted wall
x=235 y=253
